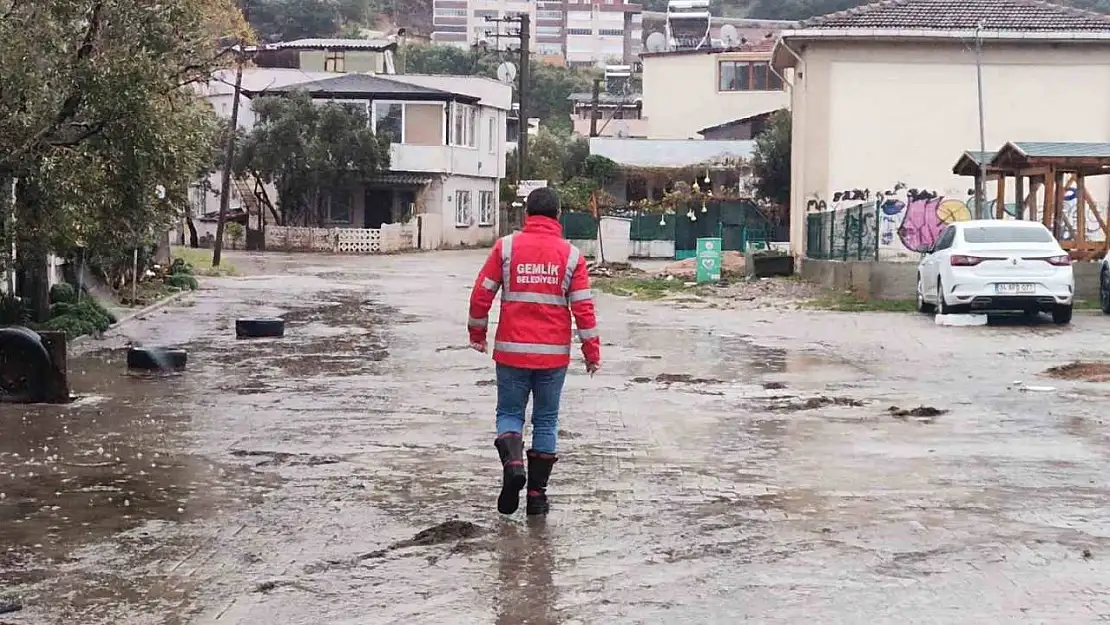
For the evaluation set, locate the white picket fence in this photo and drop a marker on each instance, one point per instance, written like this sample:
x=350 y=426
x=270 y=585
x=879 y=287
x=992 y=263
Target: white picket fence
x=389 y=238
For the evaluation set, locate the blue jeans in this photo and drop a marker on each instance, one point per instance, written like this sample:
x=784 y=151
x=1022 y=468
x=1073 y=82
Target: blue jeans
x=514 y=385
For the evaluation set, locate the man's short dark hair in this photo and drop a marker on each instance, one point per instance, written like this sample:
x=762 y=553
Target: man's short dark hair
x=542 y=201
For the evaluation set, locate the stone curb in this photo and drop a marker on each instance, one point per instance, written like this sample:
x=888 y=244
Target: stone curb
x=165 y=301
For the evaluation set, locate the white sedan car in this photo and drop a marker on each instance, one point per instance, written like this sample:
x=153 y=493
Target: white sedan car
x=996 y=265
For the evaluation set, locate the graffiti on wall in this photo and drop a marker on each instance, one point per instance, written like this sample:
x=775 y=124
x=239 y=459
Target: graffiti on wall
x=910 y=220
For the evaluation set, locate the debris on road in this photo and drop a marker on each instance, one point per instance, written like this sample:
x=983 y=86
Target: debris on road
x=10 y=606
x=813 y=403
x=773 y=386
x=919 y=412
x=611 y=270
x=1081 y=371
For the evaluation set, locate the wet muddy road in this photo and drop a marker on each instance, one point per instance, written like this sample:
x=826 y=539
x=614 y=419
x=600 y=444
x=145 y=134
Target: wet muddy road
x=724 y=466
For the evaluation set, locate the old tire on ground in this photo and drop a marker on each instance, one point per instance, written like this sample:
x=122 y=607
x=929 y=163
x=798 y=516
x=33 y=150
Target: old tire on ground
x=259 y=328
x=24 y=365
x=156 y=359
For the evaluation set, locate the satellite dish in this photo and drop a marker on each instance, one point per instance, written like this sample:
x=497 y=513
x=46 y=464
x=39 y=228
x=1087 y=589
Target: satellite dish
x=729 y=35
x=506 y=72
x=656 y=42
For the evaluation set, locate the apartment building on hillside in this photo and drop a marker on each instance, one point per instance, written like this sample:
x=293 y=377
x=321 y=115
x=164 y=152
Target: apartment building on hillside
x=581 y=33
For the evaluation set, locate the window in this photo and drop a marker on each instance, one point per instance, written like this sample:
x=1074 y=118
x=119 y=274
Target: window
x=465 y=126
x=492 y=123
x=389 y=120
x=485 y=208
x=449 y=12
x=1007 y=234
x=484 y=13
x=549 y=15
x=611 y=32
x=462 y=209
x=579 y=31
x=335 y=61
x=946 y=238
x=337 y=207
x=747 y=76
x=549 y=30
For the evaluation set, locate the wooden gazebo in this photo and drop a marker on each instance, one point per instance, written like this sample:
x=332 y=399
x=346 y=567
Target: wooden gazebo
x=1042 y=173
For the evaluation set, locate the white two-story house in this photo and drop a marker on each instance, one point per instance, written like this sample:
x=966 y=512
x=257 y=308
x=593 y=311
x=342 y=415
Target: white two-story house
x=447 y=153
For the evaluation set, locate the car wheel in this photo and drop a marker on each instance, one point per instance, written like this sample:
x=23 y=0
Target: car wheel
x=922 y=305
x=1104 y=291
x=942 y=308
x=1061 y=315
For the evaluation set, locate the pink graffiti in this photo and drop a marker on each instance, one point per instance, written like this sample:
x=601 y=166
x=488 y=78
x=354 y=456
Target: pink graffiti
x=921 y=225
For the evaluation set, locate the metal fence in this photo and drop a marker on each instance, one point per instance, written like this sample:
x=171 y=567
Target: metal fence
x=844 y=234
x=645 y=226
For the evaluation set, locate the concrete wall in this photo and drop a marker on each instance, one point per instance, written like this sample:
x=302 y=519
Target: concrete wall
x=893 y=280
x=681 y=94
x=640 y=249
x=472 y=234
x=871 y=115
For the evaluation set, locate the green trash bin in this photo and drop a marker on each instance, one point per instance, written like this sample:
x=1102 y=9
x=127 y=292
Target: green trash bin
x=708 y=259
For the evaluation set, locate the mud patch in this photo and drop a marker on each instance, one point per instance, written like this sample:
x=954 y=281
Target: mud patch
x=812 y=403
x=921 y=412
x=773 y=386
x=486 y=383
x=8 y=606
x=675 y=378
x=277 y=458
x=1081 y=371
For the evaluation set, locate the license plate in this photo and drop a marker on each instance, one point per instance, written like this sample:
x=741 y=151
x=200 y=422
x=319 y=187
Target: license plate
x=1015 y=289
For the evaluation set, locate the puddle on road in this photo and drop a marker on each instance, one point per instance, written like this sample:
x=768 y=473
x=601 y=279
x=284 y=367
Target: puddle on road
x=74 y=475
x=343 y=335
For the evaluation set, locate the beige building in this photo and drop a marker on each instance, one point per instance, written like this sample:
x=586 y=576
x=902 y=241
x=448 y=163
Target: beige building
x=885 y=97
x=366 y=56
x=685 y=91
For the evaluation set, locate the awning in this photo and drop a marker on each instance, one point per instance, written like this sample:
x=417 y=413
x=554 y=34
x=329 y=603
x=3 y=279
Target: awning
x=396 y=179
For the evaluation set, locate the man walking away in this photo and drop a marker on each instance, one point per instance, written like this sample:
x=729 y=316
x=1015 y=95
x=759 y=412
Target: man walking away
x=543 y=281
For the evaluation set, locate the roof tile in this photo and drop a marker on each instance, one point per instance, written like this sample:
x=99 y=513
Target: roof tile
x=995 y=15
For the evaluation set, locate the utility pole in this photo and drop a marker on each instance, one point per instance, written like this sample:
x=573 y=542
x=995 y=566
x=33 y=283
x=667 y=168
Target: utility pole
x=594 y=104
x=525 y=51
x=229 y=156
x=524 y=36
x=981 y=191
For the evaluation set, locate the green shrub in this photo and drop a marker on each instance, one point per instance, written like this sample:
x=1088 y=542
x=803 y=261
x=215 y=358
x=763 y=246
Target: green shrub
x=73 y=325
x=182 y=281
x=180 y=267
x=61 y=308
x=13 y=311
x=91 y=311
x=63 y=292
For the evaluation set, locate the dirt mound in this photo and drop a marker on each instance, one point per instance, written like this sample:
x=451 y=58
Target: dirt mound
x=443 y=533
x=675 y=378
x=732 y=263
x=1083 y=371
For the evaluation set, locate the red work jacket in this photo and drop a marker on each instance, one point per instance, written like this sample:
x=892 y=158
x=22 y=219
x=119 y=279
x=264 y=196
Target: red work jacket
x=543 y=281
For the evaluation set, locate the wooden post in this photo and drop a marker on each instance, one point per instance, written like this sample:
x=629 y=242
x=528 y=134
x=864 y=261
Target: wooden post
x=1000 y=197
x=1049 y=195
x=1080 y=208
x=1019 y=196
x=1058 y=202
x=56 y=387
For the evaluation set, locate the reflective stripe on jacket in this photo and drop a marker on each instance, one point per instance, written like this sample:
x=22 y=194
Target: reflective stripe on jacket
x=543 y=282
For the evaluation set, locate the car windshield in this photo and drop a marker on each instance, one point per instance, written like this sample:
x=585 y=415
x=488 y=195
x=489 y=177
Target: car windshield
x=1004 y=234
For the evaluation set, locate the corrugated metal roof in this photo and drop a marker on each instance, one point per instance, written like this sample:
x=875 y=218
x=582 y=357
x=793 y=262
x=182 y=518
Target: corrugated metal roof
x=1037 y=149
x=400 y=179
x=360 y=83
x=336 y=44
x=669 y=152
x=994 y=15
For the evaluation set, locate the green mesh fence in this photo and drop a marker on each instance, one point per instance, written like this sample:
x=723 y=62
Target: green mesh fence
x=845 y=234
x=578 y=225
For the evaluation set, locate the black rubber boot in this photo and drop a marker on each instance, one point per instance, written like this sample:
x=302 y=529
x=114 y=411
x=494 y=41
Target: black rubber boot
x=510 y=446
x=539 y=470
